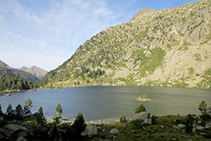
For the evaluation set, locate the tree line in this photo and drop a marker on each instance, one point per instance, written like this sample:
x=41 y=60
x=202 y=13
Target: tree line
x=48 y=129
x=91 y=74
x=16 y=84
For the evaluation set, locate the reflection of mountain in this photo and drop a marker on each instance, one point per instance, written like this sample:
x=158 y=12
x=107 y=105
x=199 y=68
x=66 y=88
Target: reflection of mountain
x=36 y=71
x=6 y=71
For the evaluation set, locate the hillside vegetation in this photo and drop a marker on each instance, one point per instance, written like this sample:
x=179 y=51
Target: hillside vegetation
x=164 y=48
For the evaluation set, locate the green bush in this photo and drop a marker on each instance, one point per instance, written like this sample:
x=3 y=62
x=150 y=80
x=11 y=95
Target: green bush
x=205 y=116
x=203 y=106
x=123 y=119
x=140 y=108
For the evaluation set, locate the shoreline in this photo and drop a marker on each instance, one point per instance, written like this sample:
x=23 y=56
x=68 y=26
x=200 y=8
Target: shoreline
x=116 y=120
x=119 y=86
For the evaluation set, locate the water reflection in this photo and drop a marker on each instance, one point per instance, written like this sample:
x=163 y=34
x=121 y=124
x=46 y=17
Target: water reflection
x=111 y=102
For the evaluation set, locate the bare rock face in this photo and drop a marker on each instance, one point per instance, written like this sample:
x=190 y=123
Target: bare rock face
x=143 y=12
x=170 y=47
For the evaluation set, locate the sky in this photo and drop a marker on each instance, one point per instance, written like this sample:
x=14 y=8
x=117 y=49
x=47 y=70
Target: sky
x=45 y=33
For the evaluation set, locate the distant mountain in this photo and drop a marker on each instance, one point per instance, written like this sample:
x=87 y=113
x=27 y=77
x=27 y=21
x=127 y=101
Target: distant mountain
x=163 y=48
x=23 y=68
x=6 y=71
x=2 y=64
x=34 y=70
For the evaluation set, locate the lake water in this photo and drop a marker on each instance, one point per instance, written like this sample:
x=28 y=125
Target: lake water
x=108 y=103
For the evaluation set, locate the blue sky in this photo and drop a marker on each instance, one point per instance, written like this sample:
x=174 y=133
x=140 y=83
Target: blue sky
x=46 y=33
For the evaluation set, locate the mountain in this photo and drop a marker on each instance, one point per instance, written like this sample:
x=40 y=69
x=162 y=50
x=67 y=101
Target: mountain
x=6 y=71
x=2 y=64
x=163 y=48
x=34 y=70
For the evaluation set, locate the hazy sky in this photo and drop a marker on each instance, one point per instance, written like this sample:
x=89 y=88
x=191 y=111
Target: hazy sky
x=46 y=33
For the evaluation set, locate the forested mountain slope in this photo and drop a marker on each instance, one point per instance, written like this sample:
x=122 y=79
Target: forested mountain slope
x=171 y=47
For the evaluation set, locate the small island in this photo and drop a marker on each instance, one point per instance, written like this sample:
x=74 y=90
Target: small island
x=143 y=97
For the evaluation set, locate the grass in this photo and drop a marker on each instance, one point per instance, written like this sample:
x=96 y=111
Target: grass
x=151 y=63
x=208 y=38
x=206 y=81
x=161 y=129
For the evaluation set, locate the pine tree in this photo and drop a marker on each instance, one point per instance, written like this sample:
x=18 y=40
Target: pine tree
x=79 y=124
x=27 y=106
x=19 y=111
x=58 y=113
x=40 y=111
x=10 y=111
x=1 y=113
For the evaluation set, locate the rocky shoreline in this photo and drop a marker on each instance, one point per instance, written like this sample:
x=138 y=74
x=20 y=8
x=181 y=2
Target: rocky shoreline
x=139 y=123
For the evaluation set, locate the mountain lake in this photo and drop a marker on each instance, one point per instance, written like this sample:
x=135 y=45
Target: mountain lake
x=109 y=103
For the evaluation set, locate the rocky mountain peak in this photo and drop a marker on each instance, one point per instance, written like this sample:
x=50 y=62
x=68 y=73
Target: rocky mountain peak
x=143 y=12
x=163 y=48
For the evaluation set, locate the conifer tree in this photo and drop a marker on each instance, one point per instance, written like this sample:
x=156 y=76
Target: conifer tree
x=1 y=113
x=79 y=124
x=27 y=106
x=58 y=113
x=10 y=111
x=40 y=111
x=19 y=111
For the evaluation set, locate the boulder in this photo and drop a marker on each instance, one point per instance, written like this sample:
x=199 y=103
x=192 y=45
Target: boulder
x=83 y=133
x=90 y=130
x=199 y=127
x=21 y=138
x=175 y=127
x=139 y=116
x=114 y=131
x=199 y=122
x=181 y=126
x=147 y=121
x=9 y=129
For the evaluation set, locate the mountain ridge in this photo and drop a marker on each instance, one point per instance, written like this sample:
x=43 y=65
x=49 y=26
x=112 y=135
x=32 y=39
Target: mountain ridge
x=34 y=70
x=163 y=48
x=6 y=71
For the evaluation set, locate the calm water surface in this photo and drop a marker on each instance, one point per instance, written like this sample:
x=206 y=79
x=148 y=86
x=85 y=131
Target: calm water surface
x=108 y=103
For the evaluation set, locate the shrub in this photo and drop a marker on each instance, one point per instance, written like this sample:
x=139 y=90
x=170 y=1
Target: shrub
x=154 y=119
x=189 y=123
x=203 y=106
x=123 y=119
x=39 y=118
x=205 y=116
x=140 y=108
